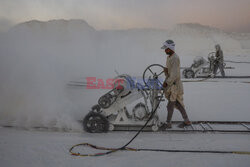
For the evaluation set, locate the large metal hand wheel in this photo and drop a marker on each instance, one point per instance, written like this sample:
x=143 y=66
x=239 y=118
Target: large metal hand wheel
x=211 y=54
x=154 y=72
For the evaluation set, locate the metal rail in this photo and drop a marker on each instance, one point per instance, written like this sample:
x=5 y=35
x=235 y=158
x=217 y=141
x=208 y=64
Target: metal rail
x=226 y=77
x=198 y=126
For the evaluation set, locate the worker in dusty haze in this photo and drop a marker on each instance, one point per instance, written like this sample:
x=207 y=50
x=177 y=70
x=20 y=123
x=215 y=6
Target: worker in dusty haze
x=219 y=61
x=173 y=85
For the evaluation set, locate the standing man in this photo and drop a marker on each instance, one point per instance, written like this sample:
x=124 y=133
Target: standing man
x=173 y=85
x=219 y=61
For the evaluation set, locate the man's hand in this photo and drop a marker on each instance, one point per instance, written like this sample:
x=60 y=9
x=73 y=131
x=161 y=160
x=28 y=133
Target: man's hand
x=165 y=84
x=166 y=71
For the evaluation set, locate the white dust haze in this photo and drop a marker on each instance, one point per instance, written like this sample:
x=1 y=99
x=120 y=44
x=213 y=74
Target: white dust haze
x=38 y=59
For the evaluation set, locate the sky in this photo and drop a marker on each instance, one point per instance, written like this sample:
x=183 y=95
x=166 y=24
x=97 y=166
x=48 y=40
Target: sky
x=229 y=15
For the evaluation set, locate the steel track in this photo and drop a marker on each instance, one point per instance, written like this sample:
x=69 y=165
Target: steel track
x=226 y=77
x=198 y=126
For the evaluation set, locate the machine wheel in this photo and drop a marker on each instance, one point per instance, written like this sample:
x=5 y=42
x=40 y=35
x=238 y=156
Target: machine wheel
x=96 y=108
x=211 y=54
x=155 y=128
x=140 y=111
x=153 y=71
x=95 y=123
x=111 y=127
x=105 y=101
x=184 y=72
x=189 y=74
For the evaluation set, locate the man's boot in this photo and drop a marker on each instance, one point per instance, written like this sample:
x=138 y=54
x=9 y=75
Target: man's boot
x=185 y=123
x=167 y=125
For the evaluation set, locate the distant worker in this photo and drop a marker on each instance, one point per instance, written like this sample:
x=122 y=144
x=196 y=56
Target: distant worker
x=173 y=85
x=219 y=61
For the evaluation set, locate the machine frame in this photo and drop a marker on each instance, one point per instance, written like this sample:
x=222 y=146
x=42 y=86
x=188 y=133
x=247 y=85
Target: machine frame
x=112 y=109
